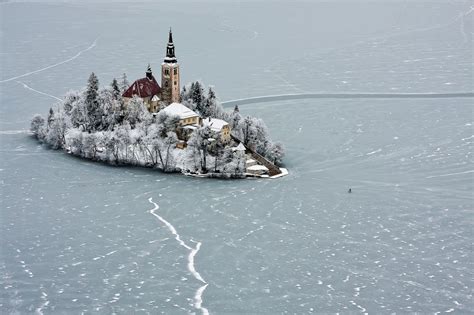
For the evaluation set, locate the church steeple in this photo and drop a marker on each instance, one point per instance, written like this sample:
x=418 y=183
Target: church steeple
x=170 y=56
x=170 y=86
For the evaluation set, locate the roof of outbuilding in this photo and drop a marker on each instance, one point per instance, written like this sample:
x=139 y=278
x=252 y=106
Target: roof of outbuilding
x=180 y=110
x=214 y=123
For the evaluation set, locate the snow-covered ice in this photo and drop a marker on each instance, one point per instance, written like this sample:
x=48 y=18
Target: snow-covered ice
x=78 y=236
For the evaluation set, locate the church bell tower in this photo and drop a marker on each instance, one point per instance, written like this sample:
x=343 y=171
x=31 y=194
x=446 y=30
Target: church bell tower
x=170 y=86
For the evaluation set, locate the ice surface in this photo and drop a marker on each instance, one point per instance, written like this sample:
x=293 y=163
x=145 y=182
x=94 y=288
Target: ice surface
x=78 y=236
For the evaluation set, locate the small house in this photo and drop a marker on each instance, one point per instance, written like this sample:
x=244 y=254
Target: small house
x=218 y=126
x=188 y=120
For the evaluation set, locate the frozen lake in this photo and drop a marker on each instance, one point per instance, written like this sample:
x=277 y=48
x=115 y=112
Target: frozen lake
x=83 y=237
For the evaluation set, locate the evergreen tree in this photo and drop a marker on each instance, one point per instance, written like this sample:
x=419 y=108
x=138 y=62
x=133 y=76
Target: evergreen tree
x=70 y=99
x=184 y=94
x=235 y=118
x=50 y=116
x=249 y=132
x=94 y=115
x=209 y=108
x=197 y=96
x=116 y=90
x=124 y=84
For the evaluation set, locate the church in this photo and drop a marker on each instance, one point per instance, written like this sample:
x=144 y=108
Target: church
x=167 y=98
x=153 y=95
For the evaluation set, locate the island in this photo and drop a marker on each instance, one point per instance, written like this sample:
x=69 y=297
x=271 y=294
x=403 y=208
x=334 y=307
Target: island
x=163 y=127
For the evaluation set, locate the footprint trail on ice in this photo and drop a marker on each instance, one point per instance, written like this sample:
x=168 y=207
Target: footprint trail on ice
x=192 y=253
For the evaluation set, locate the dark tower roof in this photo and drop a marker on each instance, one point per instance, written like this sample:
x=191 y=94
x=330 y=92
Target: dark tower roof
x=170 y=56
x=149 y=73
x=144 y=87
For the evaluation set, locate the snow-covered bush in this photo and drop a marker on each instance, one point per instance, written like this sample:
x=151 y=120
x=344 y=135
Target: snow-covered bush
x=36 y=126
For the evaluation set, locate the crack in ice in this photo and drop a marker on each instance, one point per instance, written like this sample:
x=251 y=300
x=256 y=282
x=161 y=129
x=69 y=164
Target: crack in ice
x=193 y=251
x=375 y=95
x=39 y=92
x=53 y=65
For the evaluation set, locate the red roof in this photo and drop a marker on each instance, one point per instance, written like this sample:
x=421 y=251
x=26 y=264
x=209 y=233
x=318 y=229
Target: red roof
x=143 y=88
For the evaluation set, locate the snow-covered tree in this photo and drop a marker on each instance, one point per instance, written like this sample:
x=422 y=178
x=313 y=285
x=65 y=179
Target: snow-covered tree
x=117 y=94
x=123 y=135
x=249 y=131
x=36 y=125
x=90 y=145
x=209 y=106
x=110 y=108
x=57 y=128
x=197 y=96
x=50 y=116
x=199 y=144
x=124 y=84
x=169 y=143
x=184 y=94
x=136 y=112
x=151 y=144
x=235 y=120
x=262 y=141
x=93 y=108
x=70 y=100
x=276 y=153
x=112 y=147
x=96 y=124
x=74 y=141
x=78 y=113
x=167 y=123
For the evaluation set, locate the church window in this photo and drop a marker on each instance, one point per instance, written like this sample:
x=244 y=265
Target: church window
x=175 y=71
x=167 y=72
x=175 y=83
x=166 y=83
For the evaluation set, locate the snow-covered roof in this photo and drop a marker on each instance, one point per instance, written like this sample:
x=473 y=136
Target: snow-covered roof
x=257 y=168
x=171 y=65
x=214 y=123
x=180 y=110
x=240 y=147
x=155 y=98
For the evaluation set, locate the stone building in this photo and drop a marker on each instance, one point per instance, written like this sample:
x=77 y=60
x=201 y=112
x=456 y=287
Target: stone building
x=188 y=121
x=148 y=89
x=170 y=75
x=218 y=126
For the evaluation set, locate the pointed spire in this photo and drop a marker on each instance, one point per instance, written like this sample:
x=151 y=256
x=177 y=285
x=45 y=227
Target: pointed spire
x=170 y=37
x=170 y=56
